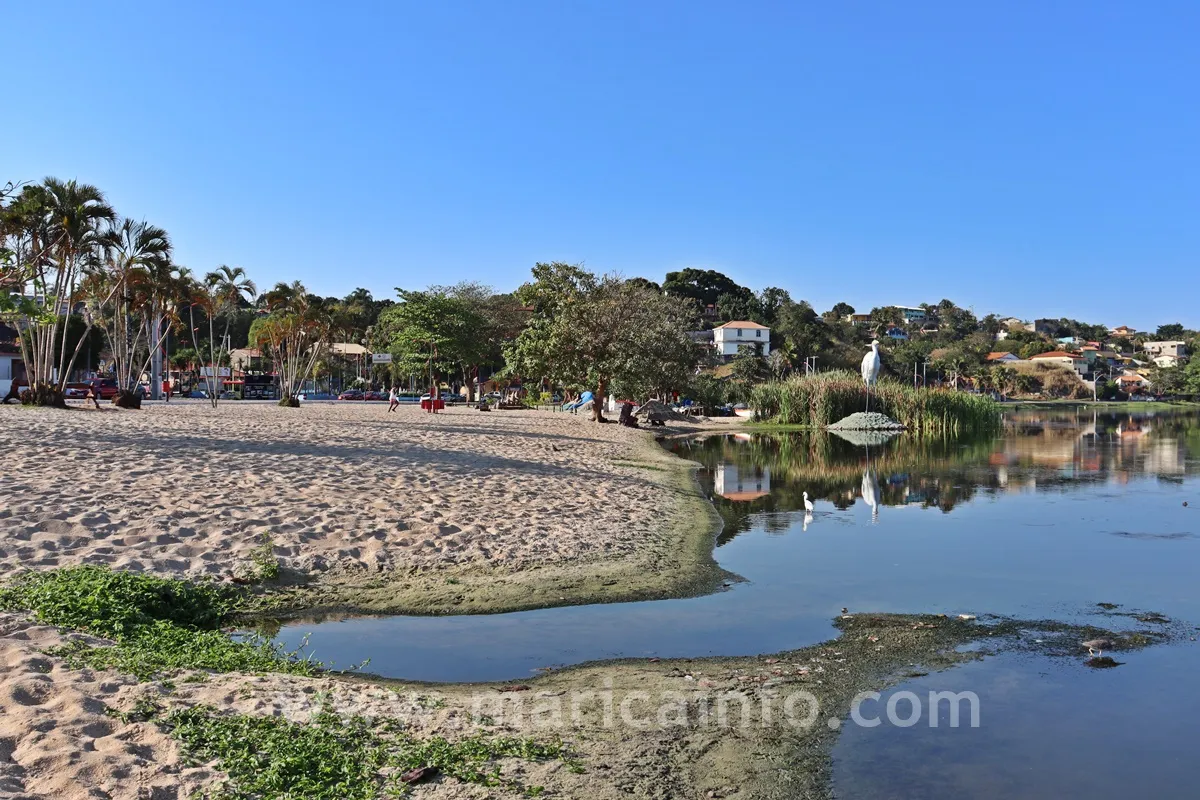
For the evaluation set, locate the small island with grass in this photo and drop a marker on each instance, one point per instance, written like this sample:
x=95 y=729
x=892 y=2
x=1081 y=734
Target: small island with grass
x=823 y=399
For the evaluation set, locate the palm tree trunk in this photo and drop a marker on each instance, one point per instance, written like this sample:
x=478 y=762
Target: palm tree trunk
x=156 y=358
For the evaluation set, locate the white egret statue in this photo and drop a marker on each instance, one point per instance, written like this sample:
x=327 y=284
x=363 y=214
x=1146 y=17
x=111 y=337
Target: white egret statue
x=870 y=369
x=808 y=506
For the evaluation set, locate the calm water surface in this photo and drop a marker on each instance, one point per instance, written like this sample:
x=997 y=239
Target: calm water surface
x=1063 y=511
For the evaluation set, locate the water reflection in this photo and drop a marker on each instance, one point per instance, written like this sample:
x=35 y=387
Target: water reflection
x=1059 y=513
x=752 y=478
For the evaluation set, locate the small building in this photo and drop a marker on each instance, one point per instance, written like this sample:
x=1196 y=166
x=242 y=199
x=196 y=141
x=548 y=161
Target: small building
x=913 y=313
x=1002 y=357
x=12 y=368
x=1132 y=382
x=1166 y=360
x=1073 y=360
x=1122 y=330
x=896 y=334
x=1169 y=348
x=858 y=319
x=741 y=336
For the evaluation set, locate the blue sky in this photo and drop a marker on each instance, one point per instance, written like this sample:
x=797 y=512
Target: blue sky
x=1028 y=158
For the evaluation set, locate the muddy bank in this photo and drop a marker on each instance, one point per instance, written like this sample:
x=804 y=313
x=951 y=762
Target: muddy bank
x=755 y=727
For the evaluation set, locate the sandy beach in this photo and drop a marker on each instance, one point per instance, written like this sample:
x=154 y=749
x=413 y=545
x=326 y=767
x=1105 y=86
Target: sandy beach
x=343 y=493
x=183 y=489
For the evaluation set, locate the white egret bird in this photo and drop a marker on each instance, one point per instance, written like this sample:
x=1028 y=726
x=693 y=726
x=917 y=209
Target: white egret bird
x=870 y=369
x=808 y=506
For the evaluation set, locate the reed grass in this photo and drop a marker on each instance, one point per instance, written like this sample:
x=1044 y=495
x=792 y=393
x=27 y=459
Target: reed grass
x=823 y=398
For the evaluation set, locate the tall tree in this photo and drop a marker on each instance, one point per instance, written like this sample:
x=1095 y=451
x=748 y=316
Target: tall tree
x=295 y=334
x=706 y=288
x=1170 y=332
x=432 y=334
x=122 y=297
x=55 y=230
x=603 y=333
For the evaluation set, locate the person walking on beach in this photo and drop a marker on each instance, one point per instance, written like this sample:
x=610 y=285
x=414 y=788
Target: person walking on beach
x=93 y=394
x=393 y=400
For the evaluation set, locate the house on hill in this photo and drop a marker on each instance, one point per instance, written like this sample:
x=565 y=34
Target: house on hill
x=741 y=336
x=1002 y=357
x=1061 y=357
x=912 y=313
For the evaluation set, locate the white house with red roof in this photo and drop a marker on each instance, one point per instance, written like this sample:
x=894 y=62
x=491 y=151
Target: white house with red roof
x=741 y=336
x=1073 y=360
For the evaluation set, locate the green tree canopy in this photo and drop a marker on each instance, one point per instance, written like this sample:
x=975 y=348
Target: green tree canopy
x=603 y=333
x=705 y=286
x=429 y=332
x=1172 y=331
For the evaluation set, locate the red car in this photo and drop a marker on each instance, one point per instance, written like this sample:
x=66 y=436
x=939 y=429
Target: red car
x=108 y=389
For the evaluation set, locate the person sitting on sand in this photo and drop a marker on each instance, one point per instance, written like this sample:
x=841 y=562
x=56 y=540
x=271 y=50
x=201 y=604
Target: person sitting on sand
x=393 y=399
x=14 y=393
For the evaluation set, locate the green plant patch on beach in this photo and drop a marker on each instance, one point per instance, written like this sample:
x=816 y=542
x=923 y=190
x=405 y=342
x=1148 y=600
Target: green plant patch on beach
x=112 y=603
x=336 y=758
x=156 y=624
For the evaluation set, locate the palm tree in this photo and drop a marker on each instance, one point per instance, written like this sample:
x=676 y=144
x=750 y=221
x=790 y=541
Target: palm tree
x=296 y=331
x=228 y=286
x=168 y=288
x=126 y=297
x=64 y=233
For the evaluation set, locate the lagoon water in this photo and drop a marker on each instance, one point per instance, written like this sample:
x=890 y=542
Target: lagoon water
x=1064 y=510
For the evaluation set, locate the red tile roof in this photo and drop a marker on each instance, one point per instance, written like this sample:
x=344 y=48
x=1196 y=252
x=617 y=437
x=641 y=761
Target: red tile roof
x=740 y=324
x=1058 y=354
x=997 y=356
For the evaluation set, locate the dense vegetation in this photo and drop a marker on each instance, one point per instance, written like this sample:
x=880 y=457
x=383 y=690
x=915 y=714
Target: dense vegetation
x=822 y=398
x=75 y=276
x=156 y=624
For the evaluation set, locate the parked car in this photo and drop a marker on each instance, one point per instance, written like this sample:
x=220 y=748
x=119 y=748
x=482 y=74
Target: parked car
x=352 y=394
x=374 y=396
x=108 y=389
